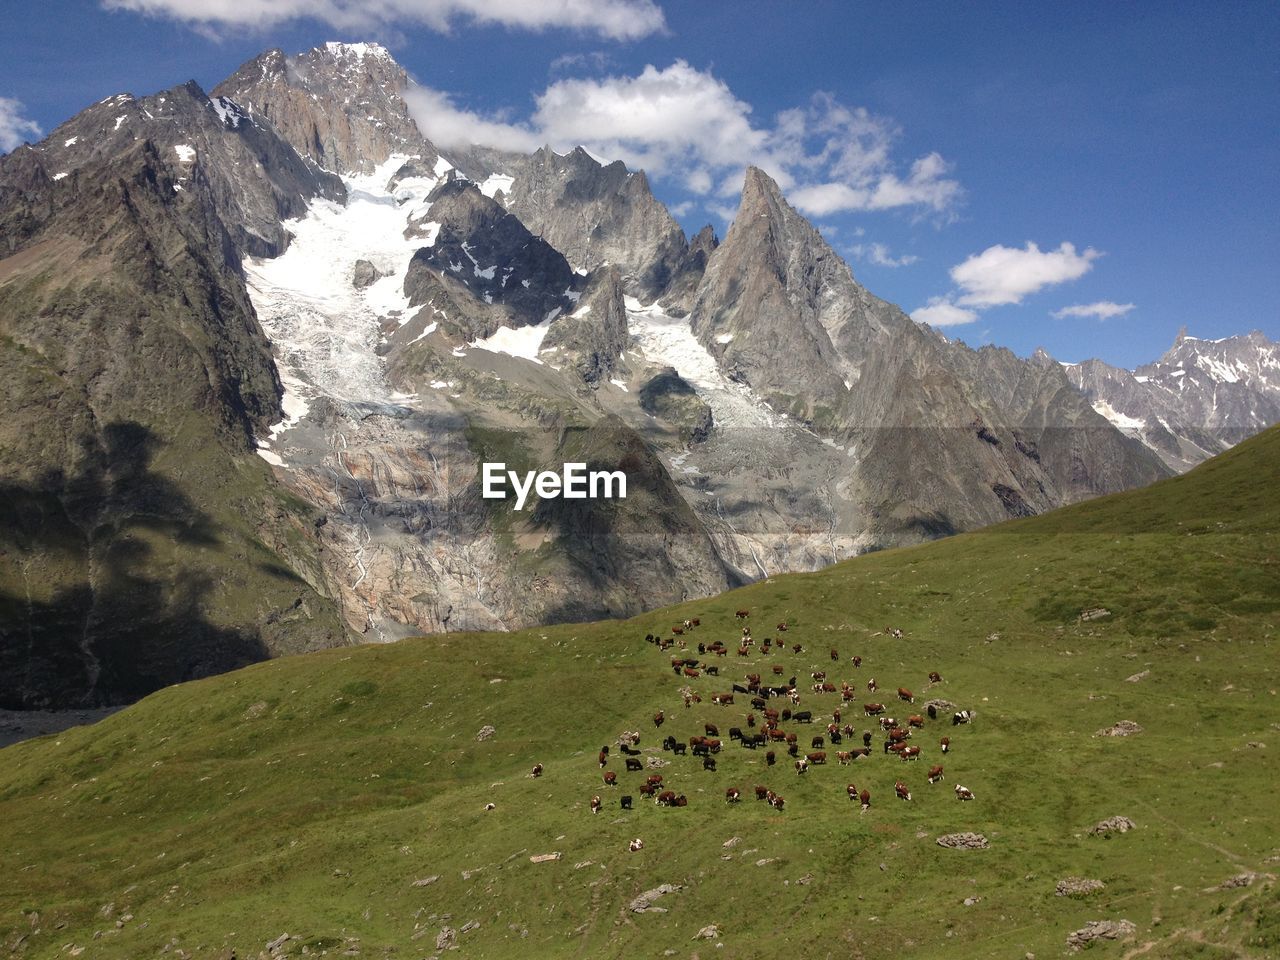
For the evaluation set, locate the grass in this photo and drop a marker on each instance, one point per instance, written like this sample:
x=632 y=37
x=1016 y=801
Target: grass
x=307 y=795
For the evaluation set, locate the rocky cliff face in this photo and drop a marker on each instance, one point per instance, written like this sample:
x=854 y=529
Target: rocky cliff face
x=591 y=212
x=945 y=438
x=142 y=541
x=1201 y=397
x=341 y=105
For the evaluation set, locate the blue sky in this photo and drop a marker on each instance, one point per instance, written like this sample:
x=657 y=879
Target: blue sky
x=1135 y=145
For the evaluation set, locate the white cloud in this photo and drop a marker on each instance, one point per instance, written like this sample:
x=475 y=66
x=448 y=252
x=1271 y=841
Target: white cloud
x=941 y=312
x=1103 y=310
x=1002 y=275
x=15 y=129
x=686 y=124
x=879 y=254
x=449 y=126
x=615 y=19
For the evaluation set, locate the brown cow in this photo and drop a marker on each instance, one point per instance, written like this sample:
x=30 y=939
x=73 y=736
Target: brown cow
x=723 y=699
x=857 y=662
x=732 y=795
x=915 y=720
x=963 y=793
x=907 y=695
x=654 y=778
x=935 y=773
x=691 y=673
x=536 y=771
x=817 y=757
x=667 y=798
x=871 y=685
x=852 y=791
x=711 y=729
x=610 y=778
x=910 y=753
x=873 y=709
x=835 y=654
x=845 y=757
x=935 y=677
x=777 y=802
x=901 y=790
x=742 y=614
x=658 y=718
x=945 y=743
x=797 y=649
x=595 y=804
x=782 y=627
x=647 y=789
x=865 y=799
x=761 y=792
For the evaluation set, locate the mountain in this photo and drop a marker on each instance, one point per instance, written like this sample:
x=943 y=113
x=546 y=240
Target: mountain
x=318 y=803
x=143 y=543
x=1198 y=399
x=292 y=269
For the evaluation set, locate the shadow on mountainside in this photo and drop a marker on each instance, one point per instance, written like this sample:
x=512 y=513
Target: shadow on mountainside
x=101 y=597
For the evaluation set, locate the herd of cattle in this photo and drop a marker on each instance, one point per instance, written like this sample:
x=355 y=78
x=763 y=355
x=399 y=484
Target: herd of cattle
x=770 y=705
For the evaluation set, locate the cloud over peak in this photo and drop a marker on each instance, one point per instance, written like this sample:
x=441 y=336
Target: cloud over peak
x=1102 y=310
x=613 y=19
x=687 y=125
x=1003 y=275
x=15 y=129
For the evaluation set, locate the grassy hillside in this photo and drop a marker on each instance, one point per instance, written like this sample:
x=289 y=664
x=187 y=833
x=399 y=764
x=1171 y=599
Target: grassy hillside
x=317 y=795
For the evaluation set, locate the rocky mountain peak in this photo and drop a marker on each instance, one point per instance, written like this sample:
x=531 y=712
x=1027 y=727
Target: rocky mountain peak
x=341 y=104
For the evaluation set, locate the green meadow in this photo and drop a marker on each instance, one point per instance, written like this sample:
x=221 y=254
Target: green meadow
x=340 y=797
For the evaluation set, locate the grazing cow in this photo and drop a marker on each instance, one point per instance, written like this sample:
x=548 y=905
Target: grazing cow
x=803 y=716
x=932 y=711
x=915 y=720
x=945 y=743
x=818 y=675
x=735 y=733
x=647 y=789
x=658 y=719
x=964 y=716
x=817 y=743
x=793 y=750
x=691 y=673
x=743 y=651
x=802 y=765
x=835 y=654
x=910 y=753
x=963 y=793
x=873 y=709
x=935 y=677
x=857 y=663
x=668 y=742
x=835 y=715
x=777 y=670
x=871 y=685
x=901 y=790
x=833 y=729
x=782 y=628
x=797 y=649
x=712 y=670
x=836 y=738
x=887 y=723
x=732 y=795
x=935 y=773
x=751 y=720
x=866 y=739
x=610 y=778
x=654 y=779
x=634 y=765
x=792 y=738
x=906 y=695
x=777 y=802
x=681 y=801
x=755 y=740
x=770 y=758
x=678 y=631
x=758 y=702
x=604 y=757
x=536 y=771
x=722 y=699
x=762 y=793
x=679 y=749
x=636 y=844
x=696 y=622
x=865 y=799
x=711 y=729
x=702 y=648
x=738 y=688
x=845 y=757
x=709 y=763
x=818 y=757
x=625 y=802
x=742 y=614
x=852 y=791
x=595 y=804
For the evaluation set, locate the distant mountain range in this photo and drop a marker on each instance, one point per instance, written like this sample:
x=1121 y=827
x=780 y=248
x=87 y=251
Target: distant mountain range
x=1197 y=400
x=257 y=344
